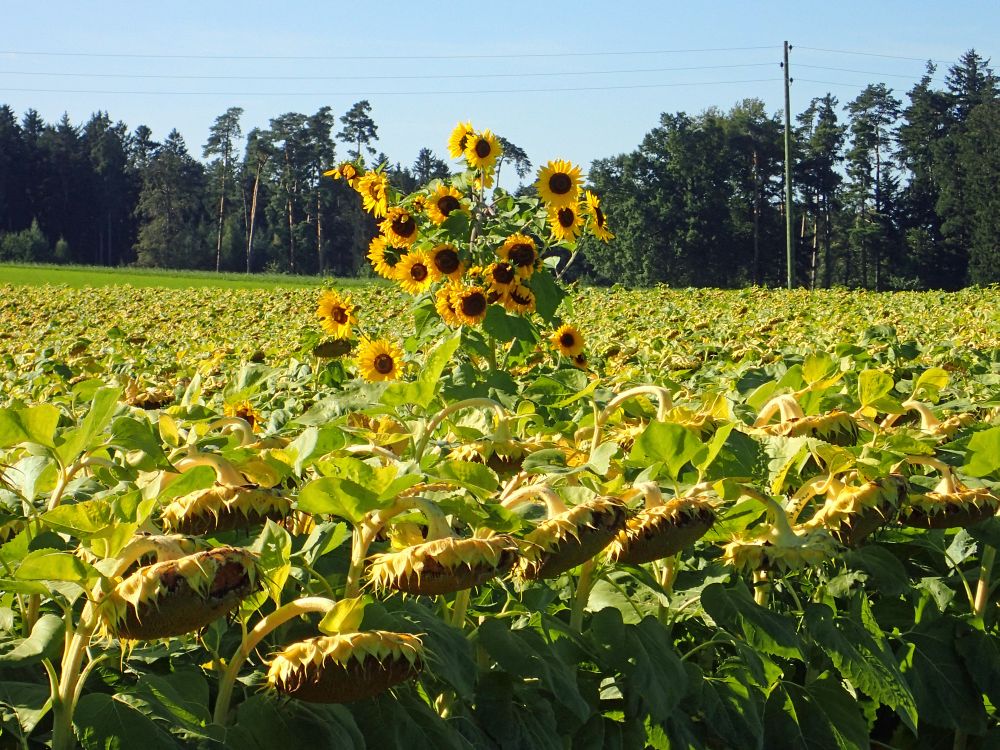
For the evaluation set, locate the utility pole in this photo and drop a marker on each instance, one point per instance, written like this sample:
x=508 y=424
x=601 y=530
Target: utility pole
x=789 y=239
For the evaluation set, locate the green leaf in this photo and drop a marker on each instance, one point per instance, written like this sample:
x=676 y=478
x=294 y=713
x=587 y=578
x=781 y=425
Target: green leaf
x=457 y=226
x=324 y=538
x=50 y=565
x=36 y=424
x=314 y=442
x=422 y=391
x=273 y=548
x=264 y=723
x=733 y=710
x=345 y=617
x=82 y=438
x=22 y=706
x=983 y=453
x=820 y=716
x=817 y=366
x=82 y=520
x=195 y=478
x=138 y=437
x=873 y=385
x=105 y=722
x=45 y=642
x=929 y=384
x=734 y=610
x=472 y=475
x=548 y=295
x=504 y=327
x=672 y=444
x=344 y=496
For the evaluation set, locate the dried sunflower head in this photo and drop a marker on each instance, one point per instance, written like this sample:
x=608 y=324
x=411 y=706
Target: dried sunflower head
x=444 y=565
x=662 y=530
x=761 y=552
x=961 y=507
x=180 y=596
x=568 y=539
x=345 y=667
x=836 y=427
x=223 y=508
x=855 y=512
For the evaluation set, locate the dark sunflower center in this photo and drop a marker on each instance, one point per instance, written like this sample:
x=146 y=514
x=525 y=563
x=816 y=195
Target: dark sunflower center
x=503 y=273
x=339 y=315
x=567 y=217
x=447 y=203
x=560 y=183
x=599 y=216
x=383 y=364
x=522 y=254
x=404 y=225
x=521 y=299
x=483 y=148
x=567 y=340
x=474 y=305
x=446 y=260
x=463 y=142
x=418 y=272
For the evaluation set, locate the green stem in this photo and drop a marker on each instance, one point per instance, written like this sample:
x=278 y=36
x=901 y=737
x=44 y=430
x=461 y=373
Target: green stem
x=460 y=607
x=582 y=595
x=437 y=419
x=983 y=587
x=761 y=587
x=279 y=617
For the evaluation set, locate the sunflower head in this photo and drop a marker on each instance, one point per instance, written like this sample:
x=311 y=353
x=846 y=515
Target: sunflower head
x=758 y=552
x=519 y=250
x=963 y=507
x=662 y=530
x=445 y=262
x=444 y=303
x=571 y=538
x=566 y=222
x=444 y=565
x=150 y=397
x=345 y=667
x=336 y=314
x=520 y=300
x=597 y=222
x=373 y=187
x=501 y=276
x=380 y=360
x=180 y=596
x=856 y=512
x=567 y=340
x=347 y=171
x=383 y=431
x=399 y=227
x=482 y=150
x=219 y=508
x=413 y=272
x=558 y=183
x=383 y=257
x=470 y=304
x=243 y=410
x=443 y=202
x=836 y=427
x=459 y=139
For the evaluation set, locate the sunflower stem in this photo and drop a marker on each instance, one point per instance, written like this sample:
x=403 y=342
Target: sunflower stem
x=761 y=587
x=553 y=503
x=277 y=618
x=983 y=587
x=584 y=585
x=437 y=419
x=460 y=607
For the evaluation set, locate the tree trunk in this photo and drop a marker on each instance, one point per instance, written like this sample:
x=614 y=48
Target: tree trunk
x=291 y=234
x=222 y=210
x=827 y=238
x=319 y=235
x=756 y=221
x=253 y=213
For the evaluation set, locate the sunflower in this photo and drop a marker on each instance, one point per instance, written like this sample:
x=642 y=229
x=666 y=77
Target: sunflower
x=520 y=299
x=558 y=183
x=566 y=222
x=442 y=202
x=445 y=305
x=459 y=138
x=445 y=263
x=567 y=340
x=482 y=150
x=580 y=361
x=470 y=304
x=336 y=314
x=519 y=250
x=347 y=172
x=373 y=188
x=400 y=227
x=383 y=258
x=501 y=276
x=380 y=360
x=598 y=222
x=245 y=411
x=413 y=272
x=418 y=203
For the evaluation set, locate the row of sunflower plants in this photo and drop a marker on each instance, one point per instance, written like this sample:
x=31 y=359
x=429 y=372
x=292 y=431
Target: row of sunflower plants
x=468 y=537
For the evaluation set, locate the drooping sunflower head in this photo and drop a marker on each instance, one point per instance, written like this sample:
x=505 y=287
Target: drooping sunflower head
x=383 y=257
x=373 y=187
x=662 y=530
x=180 y=596
x=960 y=508
x=459 y=139
x=380 y=360
x=470 y=304
x=445 y=565
x=413 y=272
x=399 y=227
x=558 y=183
x=482 y=150
x=571 y=538
x=597 y=222
x=244 y=410
x=336 y=314
x=855 y=512
x=519 y=300
x=443 y=202
x=750 y=552
x=566 y=222
x=383 y=431
x=347 y=171
x=836 y=427
x=501 y=276
x=445 y=262
x=567 y=340
x=217 y=509
x=444 y=303
x=345 y=667
x=519 y=250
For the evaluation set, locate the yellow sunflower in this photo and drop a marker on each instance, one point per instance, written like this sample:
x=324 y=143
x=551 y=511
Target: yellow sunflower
x=373 y=189
x=336 y=314
x=482 y=150
x=400 y=227
x=347 y=172
x=501 y=276
x=520 y=299
x=380 y=360
x=413 y=272
x=459 y=138
x=442 y=202
x=418 y=203
x=566 y=222
x=598 y=222
x=580 y=361
x=470 y=304
x=445 y=305
x=383 y=258
x=567 y=340
x=519 y=250
x=559 y=183
x=444 y=262
x=245 y=411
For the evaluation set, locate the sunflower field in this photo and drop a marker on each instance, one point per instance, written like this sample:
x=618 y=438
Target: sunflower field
x=477 y=508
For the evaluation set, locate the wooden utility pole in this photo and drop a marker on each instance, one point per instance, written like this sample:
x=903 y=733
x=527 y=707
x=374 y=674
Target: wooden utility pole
x=789 y=239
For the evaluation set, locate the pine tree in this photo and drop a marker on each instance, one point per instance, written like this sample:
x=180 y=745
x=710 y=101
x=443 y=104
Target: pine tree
x=221 y=143
x=359 y=128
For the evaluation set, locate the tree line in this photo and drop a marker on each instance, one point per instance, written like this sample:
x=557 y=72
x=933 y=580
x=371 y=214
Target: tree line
x=887 y=195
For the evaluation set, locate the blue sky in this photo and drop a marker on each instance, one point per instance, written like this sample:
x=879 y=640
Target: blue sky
x=601 y=72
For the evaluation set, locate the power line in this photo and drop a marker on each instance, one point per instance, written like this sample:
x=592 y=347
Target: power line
x=391 y=93
x=865 y=72
x=830 y=83
x=874 y=54
x=379 y=57
x=383 y=77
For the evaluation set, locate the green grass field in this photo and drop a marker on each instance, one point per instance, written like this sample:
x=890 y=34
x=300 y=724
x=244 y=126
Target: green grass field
x=92 y=276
